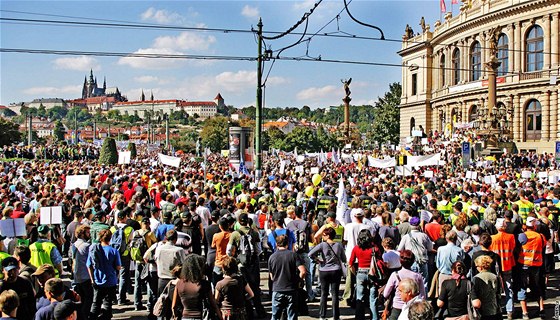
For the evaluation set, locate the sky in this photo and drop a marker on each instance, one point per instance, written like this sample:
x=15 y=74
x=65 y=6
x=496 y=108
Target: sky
x=289 y=82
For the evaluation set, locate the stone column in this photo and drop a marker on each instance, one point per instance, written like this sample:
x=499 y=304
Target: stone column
x=554 y=41
x=514 y=120
x=465 y=61
x=545 y=128
x=519 y=118
x=547 y=39
x=518 y=46
x=555 y=107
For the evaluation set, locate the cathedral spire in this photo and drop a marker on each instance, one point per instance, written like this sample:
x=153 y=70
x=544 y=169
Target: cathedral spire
x=143 y=97
x=151 y=96
x=90 y=75
x=104 y=83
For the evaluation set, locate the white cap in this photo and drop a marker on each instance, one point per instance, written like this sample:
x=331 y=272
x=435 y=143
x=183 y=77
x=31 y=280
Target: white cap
x=531 y=221
x=500 y=223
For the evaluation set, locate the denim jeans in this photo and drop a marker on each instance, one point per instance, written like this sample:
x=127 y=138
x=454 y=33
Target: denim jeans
x=330 y=280
x=422 y=269
x=124 y=278
x=507 y=277
x=362 y=285
x=139 y=284
x=284 y=301
x=102 y=306
x=308 y=276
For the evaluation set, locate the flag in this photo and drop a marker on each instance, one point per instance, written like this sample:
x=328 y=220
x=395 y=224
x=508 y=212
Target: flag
x=454 y=1
x=342 y=204
x=295 y=153
x=442 y=6
x=242 y=168
x=335 y=158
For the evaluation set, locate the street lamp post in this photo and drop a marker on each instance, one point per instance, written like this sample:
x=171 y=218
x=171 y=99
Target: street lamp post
x=258 y=109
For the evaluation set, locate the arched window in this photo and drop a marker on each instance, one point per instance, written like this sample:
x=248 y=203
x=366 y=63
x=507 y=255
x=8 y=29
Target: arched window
x=456 y=65
x=534 y=49
x=442 y=70
x=502 y=54
x=472 y=113
x=476 y=62
x=412 y=125
x=533 y=116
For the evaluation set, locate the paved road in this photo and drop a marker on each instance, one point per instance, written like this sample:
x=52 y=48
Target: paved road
x=552 y=302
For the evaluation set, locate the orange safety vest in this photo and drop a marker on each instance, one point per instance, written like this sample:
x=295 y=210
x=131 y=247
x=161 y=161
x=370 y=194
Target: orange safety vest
x=503 y=244
x=532 y=252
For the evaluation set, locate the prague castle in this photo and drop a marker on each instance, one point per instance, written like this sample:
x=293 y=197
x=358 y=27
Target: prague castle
x=445 y=74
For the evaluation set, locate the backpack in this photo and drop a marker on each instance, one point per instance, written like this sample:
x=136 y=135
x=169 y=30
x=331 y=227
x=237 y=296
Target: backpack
x=246 y=250
x=138 y=246
x=118 y=240
x=418 y=249
x=301 y=241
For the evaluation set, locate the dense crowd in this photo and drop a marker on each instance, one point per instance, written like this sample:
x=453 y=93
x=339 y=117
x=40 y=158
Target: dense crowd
x=191 y=242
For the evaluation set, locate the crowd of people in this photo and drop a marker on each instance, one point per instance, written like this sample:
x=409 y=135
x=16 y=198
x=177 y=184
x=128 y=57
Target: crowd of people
x=192 y=242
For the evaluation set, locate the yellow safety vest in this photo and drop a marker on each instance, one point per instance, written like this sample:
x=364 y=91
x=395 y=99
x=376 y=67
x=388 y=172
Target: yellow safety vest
x=339 y=230
x=41 y=254
x=525 y=206
x=445 y=209
x=3 y=255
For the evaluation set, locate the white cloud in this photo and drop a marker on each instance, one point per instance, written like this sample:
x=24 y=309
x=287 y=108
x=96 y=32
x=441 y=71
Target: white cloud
x=81 y=63
x=250 y=12
x=169 y=45
x=146 y=79
x=318 y=94
x=53 y=91
x=161 y=16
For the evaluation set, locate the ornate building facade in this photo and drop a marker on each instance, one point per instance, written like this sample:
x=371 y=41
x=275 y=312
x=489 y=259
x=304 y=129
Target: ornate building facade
x=445 y=74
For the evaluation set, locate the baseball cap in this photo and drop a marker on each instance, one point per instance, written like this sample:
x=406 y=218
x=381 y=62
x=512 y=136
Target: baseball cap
x=167 y=215
x=10 y=263
x=500 y=223
x=43 y=229
x=331 y=214
x=531 y=221
x=145 y=220
x=64 y=309
x=154 y=209
x=44 y=268
x=414 y=221
x=244 y=218
x=359 y=214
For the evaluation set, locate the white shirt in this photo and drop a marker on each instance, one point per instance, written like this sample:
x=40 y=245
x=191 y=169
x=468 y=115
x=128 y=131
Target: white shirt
x=351 y=231
x=204 y=215
x=392 y=258
x=404 y=312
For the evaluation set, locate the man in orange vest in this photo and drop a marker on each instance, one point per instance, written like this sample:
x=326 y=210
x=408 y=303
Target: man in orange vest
x=503 y=244
x=531 y=260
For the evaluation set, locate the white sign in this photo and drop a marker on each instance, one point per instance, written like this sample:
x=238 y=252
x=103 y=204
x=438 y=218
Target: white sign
x=425 y=215
x=472 y=175
x=352 y=182
x=51 y=215
x=13 y=228
x=553 y=179
x=124 y=157
x=300 y=159
x=403 y=171
x=282 y=166
x=428 y=174
x=491 y=179
x=416 y=133
x=169 y=160
x=526 y=174
x=299 y=169
x=543 y=175
x=424 y=141
x=77 y=181
x=314 y=170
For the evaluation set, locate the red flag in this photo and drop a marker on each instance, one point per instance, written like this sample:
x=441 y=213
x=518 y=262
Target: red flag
x=442 y=6
x=454 y=1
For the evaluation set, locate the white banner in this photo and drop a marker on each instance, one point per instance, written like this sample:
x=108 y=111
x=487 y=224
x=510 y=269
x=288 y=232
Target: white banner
x=124 y=157
x=403 y=170
x=282 y=166
x=169 y=160
x=381 y=163
x=428 y=160
x=77 y=181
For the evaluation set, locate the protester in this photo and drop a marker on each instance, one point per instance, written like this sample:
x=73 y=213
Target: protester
x=453 y=294
x=9 y=304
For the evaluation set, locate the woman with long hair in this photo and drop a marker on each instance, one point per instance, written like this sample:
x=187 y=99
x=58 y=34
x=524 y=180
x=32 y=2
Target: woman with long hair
x=192 y=288
x=330 y=270
x=454 y=293
x=363 y=253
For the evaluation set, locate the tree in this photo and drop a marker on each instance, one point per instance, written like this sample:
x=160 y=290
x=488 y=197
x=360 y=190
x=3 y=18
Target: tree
x=10 y=132
x=114 y=115
x=109 y=154
x=59 y=131
x=386 y=112
x=57 y=113
x=132 y=148
x=214 y=133
x=303 y=138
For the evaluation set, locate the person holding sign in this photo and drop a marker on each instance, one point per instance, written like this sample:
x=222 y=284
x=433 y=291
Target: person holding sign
x=43 y=251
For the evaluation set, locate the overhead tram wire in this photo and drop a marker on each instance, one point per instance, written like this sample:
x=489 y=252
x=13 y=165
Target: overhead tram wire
x=220 y=30
x=207 y=57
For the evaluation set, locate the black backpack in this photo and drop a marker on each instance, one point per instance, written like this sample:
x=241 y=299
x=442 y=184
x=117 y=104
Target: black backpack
x=246 y=253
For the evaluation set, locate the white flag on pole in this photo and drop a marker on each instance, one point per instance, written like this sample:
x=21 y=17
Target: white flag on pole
x=342 y=205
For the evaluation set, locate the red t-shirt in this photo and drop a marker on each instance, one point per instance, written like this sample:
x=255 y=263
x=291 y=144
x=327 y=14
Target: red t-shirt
x=363 y=256
x=432 y=230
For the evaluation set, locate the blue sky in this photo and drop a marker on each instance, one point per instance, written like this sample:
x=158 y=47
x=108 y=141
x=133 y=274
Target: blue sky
x=290 y=83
